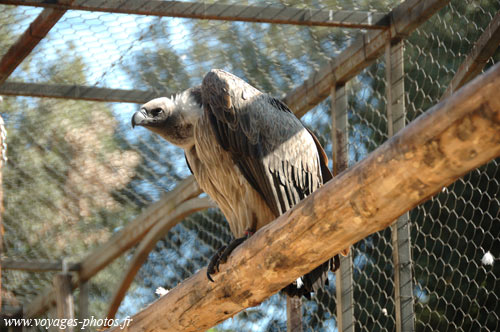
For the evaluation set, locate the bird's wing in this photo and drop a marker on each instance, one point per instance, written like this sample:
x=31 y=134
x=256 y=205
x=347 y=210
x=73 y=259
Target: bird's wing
x=276 y=154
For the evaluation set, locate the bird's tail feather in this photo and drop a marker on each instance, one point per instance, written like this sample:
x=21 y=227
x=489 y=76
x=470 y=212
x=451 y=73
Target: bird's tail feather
x=311 y=282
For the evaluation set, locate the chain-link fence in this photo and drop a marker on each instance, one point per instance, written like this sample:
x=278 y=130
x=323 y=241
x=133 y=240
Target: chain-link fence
x=77 y=173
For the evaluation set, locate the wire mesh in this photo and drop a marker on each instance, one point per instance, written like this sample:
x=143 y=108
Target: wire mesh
x=77 y=174
x=451 y=233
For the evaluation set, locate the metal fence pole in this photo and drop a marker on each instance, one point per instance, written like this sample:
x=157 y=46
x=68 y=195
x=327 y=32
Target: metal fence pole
x=403 y=285
x=344 y=277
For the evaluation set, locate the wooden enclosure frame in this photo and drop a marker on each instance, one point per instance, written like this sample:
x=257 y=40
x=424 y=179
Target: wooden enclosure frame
x=384 y=35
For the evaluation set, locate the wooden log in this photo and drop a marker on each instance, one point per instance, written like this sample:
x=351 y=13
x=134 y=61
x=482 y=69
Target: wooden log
x=129 y=236
x=452 y=138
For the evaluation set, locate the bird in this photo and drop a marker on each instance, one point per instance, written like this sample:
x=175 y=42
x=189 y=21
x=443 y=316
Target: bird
x=248 y=151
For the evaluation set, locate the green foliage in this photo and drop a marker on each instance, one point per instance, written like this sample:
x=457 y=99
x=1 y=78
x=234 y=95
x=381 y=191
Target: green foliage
x=61 y=180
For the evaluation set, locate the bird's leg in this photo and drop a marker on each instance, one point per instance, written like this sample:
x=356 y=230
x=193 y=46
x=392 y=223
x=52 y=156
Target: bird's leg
x=223 y=253
x=214 y=262
x=232 y=246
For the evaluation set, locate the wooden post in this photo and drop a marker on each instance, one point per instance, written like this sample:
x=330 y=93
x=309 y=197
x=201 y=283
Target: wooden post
x=52 y=313
x=19 y=315
x=8 y=312
x=400 y=231
x=3 y=158
x=293 y=314
x=446 y=142
x=83 y=304
x=344 y=275
x=64 y=299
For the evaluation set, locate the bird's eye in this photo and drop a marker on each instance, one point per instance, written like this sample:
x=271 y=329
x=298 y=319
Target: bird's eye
x=156 y=111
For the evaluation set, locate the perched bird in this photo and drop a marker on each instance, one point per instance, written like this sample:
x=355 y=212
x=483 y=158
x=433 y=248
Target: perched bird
x=247 y=151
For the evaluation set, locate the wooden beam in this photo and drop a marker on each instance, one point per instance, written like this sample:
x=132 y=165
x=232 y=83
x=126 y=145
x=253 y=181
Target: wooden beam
x=78 y=92
x=37 y=30
x=35 y=266
x=405 y=18
x=225 y=12
x=149 y=242
x=452 y=138
x=363 y=51
x=483 y=50
x=129 y=236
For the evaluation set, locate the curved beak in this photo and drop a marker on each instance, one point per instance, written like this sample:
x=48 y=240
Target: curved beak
x=138 y=118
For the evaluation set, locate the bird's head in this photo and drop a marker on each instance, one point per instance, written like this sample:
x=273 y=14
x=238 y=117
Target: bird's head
x=171 y=118
x=154 y=114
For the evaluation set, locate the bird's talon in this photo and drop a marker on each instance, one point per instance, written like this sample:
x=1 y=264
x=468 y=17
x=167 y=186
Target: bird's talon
x=222 y=255
x=213 y=265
